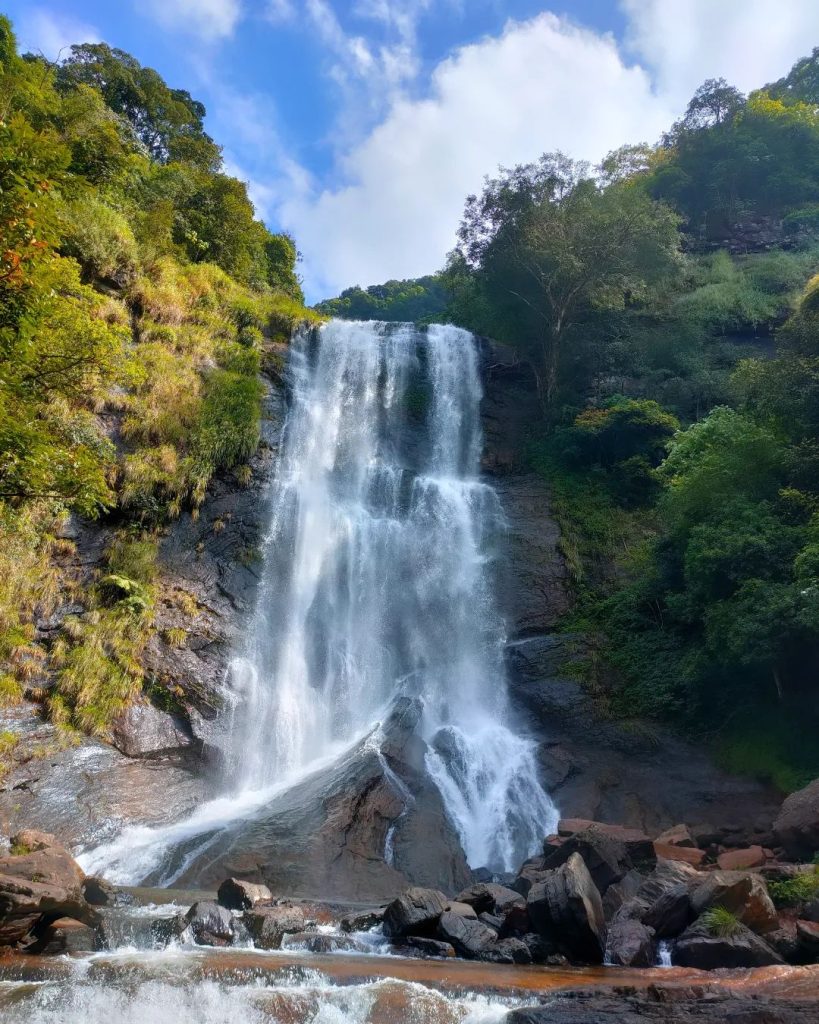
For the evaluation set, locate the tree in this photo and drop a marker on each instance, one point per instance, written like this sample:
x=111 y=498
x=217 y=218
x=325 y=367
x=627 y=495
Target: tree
x=551 y=247
x=168 y=122
x=801 y=84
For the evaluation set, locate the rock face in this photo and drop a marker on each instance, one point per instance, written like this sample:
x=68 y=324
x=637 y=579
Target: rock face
x=797 y=824
x=39 y=883
x=327 y=835
x=565 y=908
x=698 y=947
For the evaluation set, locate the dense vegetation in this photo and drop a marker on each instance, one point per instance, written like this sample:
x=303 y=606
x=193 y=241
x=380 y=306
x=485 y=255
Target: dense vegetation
x=137 y=294
x=667 y=304
x=422 y=299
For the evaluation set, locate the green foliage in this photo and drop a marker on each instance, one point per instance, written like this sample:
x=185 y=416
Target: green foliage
x=720 y=923
x=417 y=299
x=791 y=892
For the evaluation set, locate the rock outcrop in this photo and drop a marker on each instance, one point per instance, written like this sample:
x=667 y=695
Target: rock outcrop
x=797 y=824
x=565 y=908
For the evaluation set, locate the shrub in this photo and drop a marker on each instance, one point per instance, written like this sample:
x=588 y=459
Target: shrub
x=100 y=239
x=793 y=891
x=720 y=922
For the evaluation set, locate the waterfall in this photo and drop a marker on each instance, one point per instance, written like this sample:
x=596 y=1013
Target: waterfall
x=377 y=583
x=378 y=580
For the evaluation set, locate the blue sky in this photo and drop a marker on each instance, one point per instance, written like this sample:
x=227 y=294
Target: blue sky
x=361 y=125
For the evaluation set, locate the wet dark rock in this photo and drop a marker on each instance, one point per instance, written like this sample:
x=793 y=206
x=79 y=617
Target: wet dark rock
x=507 y=951
x=655 y=1005
x=165 y=930
x=430 y=947
x=318 y=942
x=414 y=912
x=39 y=883
x=492 y=921
x=461 y=909
x=210 y=924
x=237 y=894
x=362 y=921
x=566 y=909
x=797 y=824
x=532 y=871
x=743 y=893
x=631 y=944
x=807 y=941
x=670 y=913
x=98 y=892
x=621 y=892
x=678 y=835
x=65 y=935
x=468 y=936
x=268 y=925
x=328 y=833
x=698 y=947
x=608 y=854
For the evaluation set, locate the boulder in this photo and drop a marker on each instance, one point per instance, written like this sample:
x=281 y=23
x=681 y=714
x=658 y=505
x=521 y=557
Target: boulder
x=98 y=892
x=668 y=851
x=500 y=903
x=40 y=882
x=631 y=944
x=531 y=871
x=318 y=942
x=608 y=854
x=679 y=835
x=807 y=941
x=741 y=859
x=430 y=947
x=362 y=920
x=698 y=947
x=65 y=935
x=144 y=731
x=565 y=908
x=461 y=909
x=670 y=913
x=414 y=912
x=621 y=892
x=267 y=925
x=468 y=936
x=797 y=824
x=507 y=951
x=743 y=893
x=236 y=894
x=210 y=924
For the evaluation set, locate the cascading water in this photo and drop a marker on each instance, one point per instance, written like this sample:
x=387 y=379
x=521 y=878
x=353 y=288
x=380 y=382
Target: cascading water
x=377 y=583
x=377 y=579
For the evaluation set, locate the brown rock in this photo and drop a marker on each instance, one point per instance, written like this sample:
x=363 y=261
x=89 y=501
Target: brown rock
x=738 y=860
x=462 y=909
x=631 y=944
x=236 y=894
x=39 y=883
x=268 y=925
x=667 y=851
x=677 y=836
x=65 y=935
x=743 y=893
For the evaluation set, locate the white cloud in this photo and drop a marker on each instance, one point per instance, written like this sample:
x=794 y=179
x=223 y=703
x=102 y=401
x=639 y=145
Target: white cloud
x=398 y=184
x=748 y=42
x=543 y=85
x=48 y=32
x=208 y=19
x=279 y=12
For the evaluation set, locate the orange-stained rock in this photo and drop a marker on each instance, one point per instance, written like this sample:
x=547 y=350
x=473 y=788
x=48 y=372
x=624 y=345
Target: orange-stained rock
x=739 y=860
x=666 y=851
x=677 y=836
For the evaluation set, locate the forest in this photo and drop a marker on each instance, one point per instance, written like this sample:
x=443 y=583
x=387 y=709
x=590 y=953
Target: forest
x=666 y=303
x=137 y=295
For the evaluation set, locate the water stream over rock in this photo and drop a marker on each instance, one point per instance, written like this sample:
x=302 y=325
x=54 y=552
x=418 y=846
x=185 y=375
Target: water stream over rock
x=377 y=588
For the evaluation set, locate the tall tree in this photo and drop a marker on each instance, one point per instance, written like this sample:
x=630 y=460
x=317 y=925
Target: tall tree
x=551 y=246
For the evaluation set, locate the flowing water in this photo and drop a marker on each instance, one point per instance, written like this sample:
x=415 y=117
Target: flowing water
x=377 y=582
